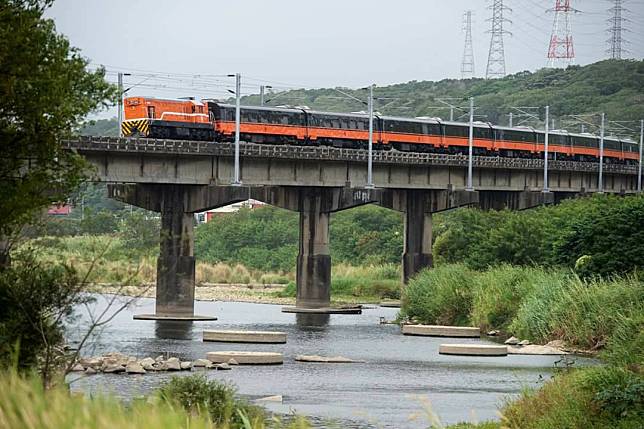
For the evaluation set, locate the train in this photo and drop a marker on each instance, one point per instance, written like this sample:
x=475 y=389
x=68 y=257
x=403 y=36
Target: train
x=214 y=121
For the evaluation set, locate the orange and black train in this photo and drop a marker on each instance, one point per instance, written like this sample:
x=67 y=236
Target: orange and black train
x=213 y=121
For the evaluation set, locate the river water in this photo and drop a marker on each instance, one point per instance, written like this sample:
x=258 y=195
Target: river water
x=401 y=375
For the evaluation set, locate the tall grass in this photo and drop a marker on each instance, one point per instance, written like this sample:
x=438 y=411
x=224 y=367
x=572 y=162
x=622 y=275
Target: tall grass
x=185 y=402
x=532 y=303
x=442 y=295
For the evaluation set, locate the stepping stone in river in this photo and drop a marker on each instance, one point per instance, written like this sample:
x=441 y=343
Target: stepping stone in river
x=246 y=358
x=472 y=350
x=441 y=331
x=324 y=359
x=266 y=337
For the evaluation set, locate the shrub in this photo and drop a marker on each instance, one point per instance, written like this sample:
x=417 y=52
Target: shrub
x=586 y=398
x=442 y=295
x=197 y=395
x=240 y=274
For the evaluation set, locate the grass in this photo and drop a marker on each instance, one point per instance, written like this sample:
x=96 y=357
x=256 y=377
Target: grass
x=185 y=402
x=601 y=397
x=351 y=284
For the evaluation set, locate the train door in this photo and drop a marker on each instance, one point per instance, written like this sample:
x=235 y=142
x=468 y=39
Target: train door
x=151 y=112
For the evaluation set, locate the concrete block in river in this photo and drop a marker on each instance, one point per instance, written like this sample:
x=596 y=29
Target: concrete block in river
x=473 y=350
x=245 y=336
x=246 y=358
x=441 y=331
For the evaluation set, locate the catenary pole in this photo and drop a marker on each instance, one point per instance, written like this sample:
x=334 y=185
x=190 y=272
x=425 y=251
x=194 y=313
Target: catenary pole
x=600 y=186
x=639 y=175
x=236 y=181
x=470 y=147
x=120 y=103
x=545 y=153
x=370 y=161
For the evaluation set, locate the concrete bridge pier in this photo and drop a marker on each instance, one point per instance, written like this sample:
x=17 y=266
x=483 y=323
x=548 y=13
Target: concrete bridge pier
x=418 y=206
x=417 y=253
x=313 y=271
x=176 y=263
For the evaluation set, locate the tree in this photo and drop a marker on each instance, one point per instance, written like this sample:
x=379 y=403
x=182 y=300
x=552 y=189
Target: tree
x=45 y=92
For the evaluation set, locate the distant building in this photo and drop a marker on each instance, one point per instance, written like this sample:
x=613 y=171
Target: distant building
x=60 y=210
x=231 y=208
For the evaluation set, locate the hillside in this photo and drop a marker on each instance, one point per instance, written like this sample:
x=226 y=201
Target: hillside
x=614 y=87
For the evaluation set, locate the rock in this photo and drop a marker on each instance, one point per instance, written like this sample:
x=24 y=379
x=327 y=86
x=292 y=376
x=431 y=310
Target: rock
x=78 y=368
x=512 y=341
x=160 y=366
x=173 y=364
x=323 y=359
x=557 y=344
x=186 y=365
x=493 y=333
x=202 y=363
x=90 y=371
x=275 y=398
x=134 y=368
x=113 y=368
x=159 y=358
x=222 y=366
x=147 y=364
x=232 y=361
x=534 y=349
x=524 y=343
x=91 y=362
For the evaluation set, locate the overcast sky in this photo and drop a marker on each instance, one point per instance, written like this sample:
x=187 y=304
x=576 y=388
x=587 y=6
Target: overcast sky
x=309 y=43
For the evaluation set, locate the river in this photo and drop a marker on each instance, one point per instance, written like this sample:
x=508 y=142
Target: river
x=400 y=375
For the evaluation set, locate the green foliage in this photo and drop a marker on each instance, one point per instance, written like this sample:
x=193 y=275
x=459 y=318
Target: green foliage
x=601 y=397
x=367 y=235
x=267 y=238
x=598 y=235
x=535 y=304
x=140 y=233
x=585 y=314
x=610 y=235
x=100 y=127
x=46 y=91
x=36 y=299
x=440 y=296
x=197 y=395
x=101 y=222
x=611 y=86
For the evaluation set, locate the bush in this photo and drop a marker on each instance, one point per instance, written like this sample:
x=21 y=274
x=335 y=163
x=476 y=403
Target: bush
x=441 y=296
x=497 y=294
x=140 y=233
x=36 y=300
x=602 y=397
x=199 y=396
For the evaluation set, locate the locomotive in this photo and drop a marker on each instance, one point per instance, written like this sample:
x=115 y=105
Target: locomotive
x=214 y=121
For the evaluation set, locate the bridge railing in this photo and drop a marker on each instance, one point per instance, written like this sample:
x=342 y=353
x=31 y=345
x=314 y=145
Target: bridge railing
x=326 y=153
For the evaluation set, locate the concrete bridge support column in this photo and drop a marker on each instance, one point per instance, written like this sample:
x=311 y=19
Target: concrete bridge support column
x=313 y=260
x=417 y=253
x=418 y=206
x=176 y=262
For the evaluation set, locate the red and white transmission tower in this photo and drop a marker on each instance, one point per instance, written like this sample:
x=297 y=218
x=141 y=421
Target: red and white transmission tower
x=561 y=51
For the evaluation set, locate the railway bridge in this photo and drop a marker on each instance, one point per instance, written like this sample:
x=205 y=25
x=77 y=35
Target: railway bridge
x=180 y=178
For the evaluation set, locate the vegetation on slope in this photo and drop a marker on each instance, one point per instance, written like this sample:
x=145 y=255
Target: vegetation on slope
x=612 y=86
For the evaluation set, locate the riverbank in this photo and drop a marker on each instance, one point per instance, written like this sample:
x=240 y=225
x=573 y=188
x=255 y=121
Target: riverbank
x=605 y=317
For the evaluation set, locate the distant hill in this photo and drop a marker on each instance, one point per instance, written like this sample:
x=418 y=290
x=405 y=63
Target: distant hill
x=615 y=87
x=100 y=127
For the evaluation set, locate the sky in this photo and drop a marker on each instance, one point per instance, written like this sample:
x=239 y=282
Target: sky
x=187 y=48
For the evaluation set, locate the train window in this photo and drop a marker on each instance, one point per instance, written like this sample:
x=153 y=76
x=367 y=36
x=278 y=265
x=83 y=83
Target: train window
x=456 y=131
x=434 y=129
x=481 y=133
x=151 y=112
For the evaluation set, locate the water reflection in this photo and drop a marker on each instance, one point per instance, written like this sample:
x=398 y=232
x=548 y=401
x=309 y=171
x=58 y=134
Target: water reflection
x=312 y=322
x=173 y=330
